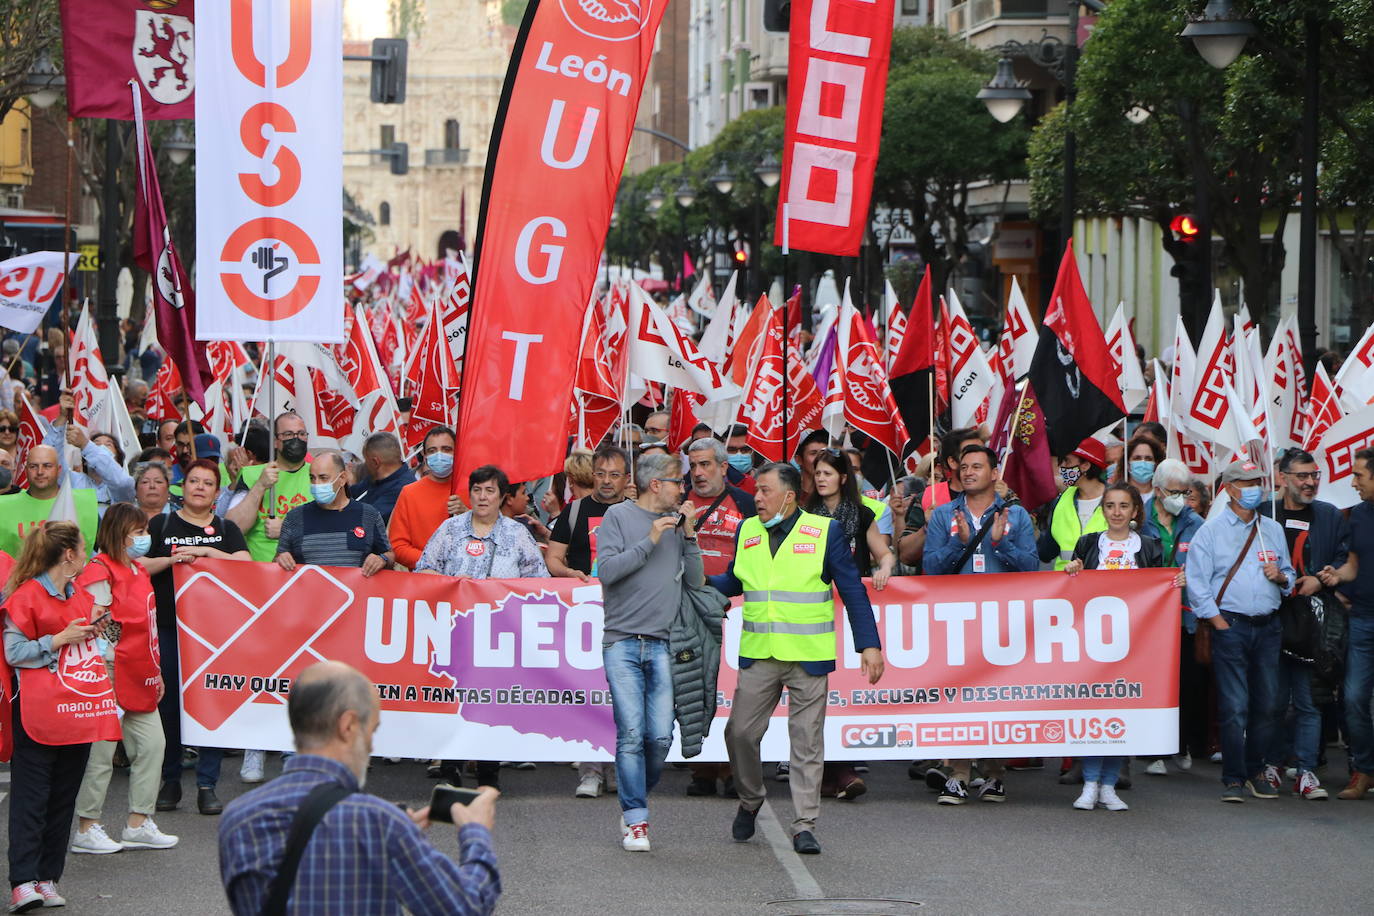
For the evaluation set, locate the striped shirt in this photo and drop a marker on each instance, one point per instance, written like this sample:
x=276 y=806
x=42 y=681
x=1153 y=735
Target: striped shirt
x=333 y=537
x=365 y=857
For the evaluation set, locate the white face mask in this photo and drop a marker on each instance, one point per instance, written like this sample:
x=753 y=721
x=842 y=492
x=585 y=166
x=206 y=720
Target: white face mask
x=1173 y=504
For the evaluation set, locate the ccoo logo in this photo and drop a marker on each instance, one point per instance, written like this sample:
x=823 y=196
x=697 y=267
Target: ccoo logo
x=611 y=20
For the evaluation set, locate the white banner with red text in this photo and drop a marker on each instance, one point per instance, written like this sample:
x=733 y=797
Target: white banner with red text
x=269 y=165
x=1038 y=664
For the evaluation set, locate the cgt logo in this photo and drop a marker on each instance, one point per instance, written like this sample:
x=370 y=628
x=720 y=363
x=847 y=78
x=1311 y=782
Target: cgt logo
x=1094 y=729
x=877 y=735
x=951 y=734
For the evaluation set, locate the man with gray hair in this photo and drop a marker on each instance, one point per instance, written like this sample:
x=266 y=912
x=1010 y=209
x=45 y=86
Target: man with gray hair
x=647 y=547
x=358 y=854
x=331 y=529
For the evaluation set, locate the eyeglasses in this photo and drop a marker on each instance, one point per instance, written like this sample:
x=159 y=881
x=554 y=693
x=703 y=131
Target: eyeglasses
x=608 y=475
x=676 y=480
x=738 y=450
x=1175 y=492
x=297 y=435
x=1308 y=476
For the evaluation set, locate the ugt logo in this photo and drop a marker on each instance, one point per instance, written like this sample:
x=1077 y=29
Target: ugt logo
x=611 y=20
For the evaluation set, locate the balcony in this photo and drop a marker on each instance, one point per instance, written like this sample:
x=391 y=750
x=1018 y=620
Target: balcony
x=438 y=158
x=971 y=14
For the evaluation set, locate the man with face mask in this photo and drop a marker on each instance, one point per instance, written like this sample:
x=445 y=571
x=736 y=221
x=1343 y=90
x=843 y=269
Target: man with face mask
x=741 y=459
x=428 y=502
x=368 y=856
x=1238 y=571
x=266 y=492
x=333 y=530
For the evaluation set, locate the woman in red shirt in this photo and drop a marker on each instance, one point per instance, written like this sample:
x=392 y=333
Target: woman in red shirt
x=66 y=702
x=119 y=583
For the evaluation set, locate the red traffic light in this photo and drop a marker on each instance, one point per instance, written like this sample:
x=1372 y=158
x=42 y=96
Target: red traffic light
x=1186 y=227
x=741 y=256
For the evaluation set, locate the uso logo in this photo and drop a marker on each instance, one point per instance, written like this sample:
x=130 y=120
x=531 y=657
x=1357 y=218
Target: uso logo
x=877 y=735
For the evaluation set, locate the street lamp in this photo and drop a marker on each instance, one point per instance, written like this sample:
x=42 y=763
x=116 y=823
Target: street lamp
x=43 y=84
x=1005 y=95
x=1137 y=114
x=769 y=171
x=1219 y=34
x=724 y=180
x=685 y=195
x=180 y=147
x=655 y=199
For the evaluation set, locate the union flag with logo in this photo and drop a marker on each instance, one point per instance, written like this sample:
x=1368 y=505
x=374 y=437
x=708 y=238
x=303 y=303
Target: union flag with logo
x=107 y=43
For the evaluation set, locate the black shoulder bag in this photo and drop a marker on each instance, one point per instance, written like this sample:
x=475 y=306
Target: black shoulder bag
x=972 y=547
x=308 y=816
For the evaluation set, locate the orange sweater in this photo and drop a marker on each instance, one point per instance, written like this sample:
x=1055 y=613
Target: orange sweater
x=420 y=509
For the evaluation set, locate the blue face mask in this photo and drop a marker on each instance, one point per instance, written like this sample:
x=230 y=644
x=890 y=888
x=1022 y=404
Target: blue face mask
x=743 y=463
x=141 y=545
x=1142 y=471
x=323 y=493
x=1251 y=497
x=777 y=519
x=440 y=464
x=1110 y=474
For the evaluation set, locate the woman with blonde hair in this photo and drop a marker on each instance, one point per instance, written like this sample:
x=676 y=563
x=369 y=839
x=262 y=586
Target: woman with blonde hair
x=50 y=641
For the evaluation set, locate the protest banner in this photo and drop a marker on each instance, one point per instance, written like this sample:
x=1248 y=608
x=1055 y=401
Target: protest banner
x=1038 y=663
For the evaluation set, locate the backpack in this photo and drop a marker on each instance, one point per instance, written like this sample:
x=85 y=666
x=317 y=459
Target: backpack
x=1314 y=634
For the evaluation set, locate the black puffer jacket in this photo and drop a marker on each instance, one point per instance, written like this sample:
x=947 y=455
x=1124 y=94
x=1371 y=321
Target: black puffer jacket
x=1150 y=555
x=694 y=642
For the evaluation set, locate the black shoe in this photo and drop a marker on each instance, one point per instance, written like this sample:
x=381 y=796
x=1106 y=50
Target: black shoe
x=169 y=796
x=805 y=844
x=743 y=827
x=701 y=785
x=208 y=802
x=727 y=787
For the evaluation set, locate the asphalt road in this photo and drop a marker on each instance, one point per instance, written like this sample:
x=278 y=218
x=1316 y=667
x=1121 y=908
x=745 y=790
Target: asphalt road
x=1177 y=850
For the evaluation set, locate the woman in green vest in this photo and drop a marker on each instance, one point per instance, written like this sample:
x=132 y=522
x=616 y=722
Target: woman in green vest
x=1078 y=510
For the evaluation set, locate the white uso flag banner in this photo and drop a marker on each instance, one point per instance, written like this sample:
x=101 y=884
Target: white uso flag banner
x=269 y=165
x=28 y=286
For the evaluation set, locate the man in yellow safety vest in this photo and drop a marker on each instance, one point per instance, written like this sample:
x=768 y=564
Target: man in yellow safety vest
x=786 y=562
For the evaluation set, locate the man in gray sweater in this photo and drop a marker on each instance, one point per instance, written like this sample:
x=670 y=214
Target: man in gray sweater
x=644 y=554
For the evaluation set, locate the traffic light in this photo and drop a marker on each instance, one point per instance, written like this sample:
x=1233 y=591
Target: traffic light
x=400 y=158
x=1186 y=227
x=777 y=15
x=741 y=257
x=388 y=70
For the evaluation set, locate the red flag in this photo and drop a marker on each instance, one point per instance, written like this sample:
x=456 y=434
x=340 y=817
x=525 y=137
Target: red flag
x=868 y=402
x=1323 y=408
x=554 y=162
x=166 y=384
x=31 y=429
x=428 y=381
x=107 y=43
x=1020 y=438
x=943 y=323
x=740 y=360
x=913 y=367
x=174 y=302
x=376 y=403
x=896 y=330
x=601 y=371
x=837 y=76
x=682 y=416
x=763 y=408
x=1072 y=373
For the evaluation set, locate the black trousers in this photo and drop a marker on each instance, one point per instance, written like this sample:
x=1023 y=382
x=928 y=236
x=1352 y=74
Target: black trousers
x=44 y=780
x=208 y=763
x=1194 y=687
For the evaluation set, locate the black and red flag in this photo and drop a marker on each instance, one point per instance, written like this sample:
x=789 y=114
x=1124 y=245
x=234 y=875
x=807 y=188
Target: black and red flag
x=913 y=369
x=1072 y=375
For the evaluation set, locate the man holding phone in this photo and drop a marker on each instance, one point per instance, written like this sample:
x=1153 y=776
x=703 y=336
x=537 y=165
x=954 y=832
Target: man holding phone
x=647 y=548
x=357 y=854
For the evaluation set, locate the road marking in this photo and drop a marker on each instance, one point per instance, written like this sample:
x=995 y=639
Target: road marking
x=4 y=776
x=791 y=863
x=2 y=795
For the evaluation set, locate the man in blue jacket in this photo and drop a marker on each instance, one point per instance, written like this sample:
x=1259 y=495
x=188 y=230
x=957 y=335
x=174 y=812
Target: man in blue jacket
x=977 y=532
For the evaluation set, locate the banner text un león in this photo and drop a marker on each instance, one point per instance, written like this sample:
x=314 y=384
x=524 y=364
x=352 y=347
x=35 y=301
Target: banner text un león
x=1035 y=663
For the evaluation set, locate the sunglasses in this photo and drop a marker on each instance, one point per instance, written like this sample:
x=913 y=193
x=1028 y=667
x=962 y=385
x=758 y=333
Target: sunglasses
x=6 y=428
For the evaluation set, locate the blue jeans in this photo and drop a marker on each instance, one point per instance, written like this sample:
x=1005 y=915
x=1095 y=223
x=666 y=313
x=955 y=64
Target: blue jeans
x=1102 y=770
x=1245 y=661
x=1359 y=684
x=639 y=673
x=1302 y=743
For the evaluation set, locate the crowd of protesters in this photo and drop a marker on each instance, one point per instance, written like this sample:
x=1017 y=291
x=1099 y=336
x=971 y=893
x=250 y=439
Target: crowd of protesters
x=648 y=517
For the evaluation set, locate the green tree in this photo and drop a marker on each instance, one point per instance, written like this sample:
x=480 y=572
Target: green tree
x=27 y=29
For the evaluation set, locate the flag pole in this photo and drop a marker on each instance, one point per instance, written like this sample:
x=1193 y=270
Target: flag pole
x=67 y=255
x=786 y=330
x=272 y=419
x=1015 y=421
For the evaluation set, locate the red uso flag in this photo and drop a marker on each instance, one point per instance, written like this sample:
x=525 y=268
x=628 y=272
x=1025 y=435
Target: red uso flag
x=836 y=80
x=106 y=43
x=558 y=146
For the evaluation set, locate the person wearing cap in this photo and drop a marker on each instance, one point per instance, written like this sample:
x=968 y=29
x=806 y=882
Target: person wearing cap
x=1238 y=571
x=1078 y=510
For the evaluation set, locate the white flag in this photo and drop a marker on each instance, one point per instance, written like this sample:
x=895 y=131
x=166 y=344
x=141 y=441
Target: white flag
x=28 y=286
x=700 y=300
x=660 y=352
x=1356 y=376
x=90 y=384
x=1335 y=454
x=972 y=384
x=1122 y=347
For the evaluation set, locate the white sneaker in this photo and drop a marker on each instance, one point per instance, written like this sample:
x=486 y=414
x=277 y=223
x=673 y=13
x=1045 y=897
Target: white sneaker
x=51 y=898
x=147 y=836
x=1157 y=768
x=636 y=838
x=24 y=897
x=252 y=769
x=589 y=787
x=1087 y=799
x=624 y=828
x=94 y=841
x=1184 y=761
x=1215 y=758
x=1107 y=798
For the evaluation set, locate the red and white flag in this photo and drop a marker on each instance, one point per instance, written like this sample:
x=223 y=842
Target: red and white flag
x=1122 y=346
x=715 y=340
x=601 y=374
x=661 y=352
x=90 y=383
x=868 y=403
x=28 y=286
x=161 y=404
x=1207 y=413
x=1323 y=408
x=108 y=43
x=1335 y=453
x=1196 y=454
x=763 y=406
x=1287 y=386
x=1356 y=375
x=896 y=331
x=360 y=363
x=429 y=381
x=32 y=429
x=972 y=385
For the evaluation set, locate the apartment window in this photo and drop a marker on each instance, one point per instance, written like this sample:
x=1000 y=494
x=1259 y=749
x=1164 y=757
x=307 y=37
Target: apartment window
x=388 y=135
x=384 y=214
x=452 y=134
x=911 y=7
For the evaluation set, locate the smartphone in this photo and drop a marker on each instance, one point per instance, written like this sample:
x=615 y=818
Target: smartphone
x=681 y=517
x=443 y=798
x=101 y=619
